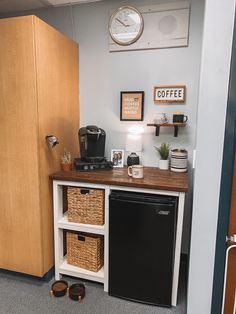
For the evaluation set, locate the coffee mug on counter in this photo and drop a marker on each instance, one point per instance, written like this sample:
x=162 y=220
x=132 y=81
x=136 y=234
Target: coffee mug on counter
x=179 y=118
x=135 y=171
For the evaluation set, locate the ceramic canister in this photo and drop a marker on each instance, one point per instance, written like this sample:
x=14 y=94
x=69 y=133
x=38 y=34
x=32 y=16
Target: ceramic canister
x=179 y=160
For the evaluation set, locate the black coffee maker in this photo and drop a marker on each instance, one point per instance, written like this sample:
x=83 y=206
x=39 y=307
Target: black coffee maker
x=92 y=143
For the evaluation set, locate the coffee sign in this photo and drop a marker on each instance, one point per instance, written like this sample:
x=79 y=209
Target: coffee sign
x=175 y=93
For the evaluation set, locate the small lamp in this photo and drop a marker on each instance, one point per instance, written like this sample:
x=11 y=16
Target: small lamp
x=133 y=145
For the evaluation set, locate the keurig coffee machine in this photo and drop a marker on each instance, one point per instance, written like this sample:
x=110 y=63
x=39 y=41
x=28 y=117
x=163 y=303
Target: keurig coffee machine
x=92 y=143
x=92 y=149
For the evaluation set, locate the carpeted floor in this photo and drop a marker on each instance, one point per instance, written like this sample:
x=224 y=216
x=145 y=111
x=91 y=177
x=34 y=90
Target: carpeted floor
x=23 y=295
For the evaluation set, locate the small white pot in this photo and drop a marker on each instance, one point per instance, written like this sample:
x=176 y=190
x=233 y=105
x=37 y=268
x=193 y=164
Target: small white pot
x=164 y=164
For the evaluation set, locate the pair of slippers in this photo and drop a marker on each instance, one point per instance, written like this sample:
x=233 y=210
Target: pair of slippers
x=60 y=288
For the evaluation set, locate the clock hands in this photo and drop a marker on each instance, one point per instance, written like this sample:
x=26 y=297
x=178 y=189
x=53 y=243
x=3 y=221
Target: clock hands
x=118 y=20
x=126 y=26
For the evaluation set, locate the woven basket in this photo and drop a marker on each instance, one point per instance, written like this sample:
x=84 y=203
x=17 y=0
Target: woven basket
x=85 y=205
x=85 y=250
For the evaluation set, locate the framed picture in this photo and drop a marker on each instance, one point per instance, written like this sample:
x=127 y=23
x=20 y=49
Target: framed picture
x=117 y=157
x=170 y=93
x=131 y=106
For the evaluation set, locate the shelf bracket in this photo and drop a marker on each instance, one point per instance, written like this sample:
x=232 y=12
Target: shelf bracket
x=176 y=131
x=175 y=125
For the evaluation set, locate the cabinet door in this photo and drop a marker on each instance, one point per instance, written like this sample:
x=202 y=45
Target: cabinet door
x=20 y=240
x=230 y=289
x=58 y=107
x=141 y=247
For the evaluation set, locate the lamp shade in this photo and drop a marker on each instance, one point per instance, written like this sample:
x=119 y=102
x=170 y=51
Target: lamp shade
x=133 y=142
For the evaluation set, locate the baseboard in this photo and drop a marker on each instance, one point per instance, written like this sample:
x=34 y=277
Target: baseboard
x=46 y=277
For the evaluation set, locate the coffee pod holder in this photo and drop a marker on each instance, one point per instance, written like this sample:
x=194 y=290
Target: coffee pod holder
x=77 y=292
x=59 y=288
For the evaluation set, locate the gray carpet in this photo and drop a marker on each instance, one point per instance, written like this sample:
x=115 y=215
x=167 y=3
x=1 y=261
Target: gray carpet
x=23 y=295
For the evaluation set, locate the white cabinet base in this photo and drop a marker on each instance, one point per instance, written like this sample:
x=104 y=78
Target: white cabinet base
x=74 y=271
x=61 y=223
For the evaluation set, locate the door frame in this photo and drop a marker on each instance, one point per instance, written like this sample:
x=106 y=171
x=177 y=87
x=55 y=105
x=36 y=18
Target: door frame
x=225 y=187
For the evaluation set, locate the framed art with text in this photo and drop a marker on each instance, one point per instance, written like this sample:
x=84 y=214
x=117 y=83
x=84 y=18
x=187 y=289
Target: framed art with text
x=169 y=93
x=131 y=106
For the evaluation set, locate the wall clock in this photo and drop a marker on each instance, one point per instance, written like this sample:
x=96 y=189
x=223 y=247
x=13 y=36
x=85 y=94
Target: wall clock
x=165 y=25
x=126 y=25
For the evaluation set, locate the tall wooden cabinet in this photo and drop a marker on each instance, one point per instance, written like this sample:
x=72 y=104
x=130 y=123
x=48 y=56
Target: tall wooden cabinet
x=38 y=97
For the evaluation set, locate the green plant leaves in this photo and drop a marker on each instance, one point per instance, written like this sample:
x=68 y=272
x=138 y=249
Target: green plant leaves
x=163 y=150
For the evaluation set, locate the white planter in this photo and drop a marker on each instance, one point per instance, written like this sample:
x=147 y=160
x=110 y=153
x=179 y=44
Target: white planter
x=164 y=164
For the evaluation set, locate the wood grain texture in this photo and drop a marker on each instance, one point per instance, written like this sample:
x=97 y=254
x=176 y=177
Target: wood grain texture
x=38 y=96
x=230 y=283
x=167 y=124
x=20 y=239
x=231 y=270
x=154 y=178
x=232 y=222
x=58 y=107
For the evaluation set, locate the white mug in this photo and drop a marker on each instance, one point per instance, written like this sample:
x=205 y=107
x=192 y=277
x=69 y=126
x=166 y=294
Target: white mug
x=135 y=171
x=160 y=118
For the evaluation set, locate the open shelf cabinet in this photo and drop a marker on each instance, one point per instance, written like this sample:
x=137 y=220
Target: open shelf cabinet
x=75 y=271
x=62 y=224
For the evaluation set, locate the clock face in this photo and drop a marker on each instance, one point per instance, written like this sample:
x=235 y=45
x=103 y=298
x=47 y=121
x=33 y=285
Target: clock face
x=126 y=25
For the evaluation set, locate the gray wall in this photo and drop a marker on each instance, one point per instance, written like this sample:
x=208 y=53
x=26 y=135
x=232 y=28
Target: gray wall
x=103 y=75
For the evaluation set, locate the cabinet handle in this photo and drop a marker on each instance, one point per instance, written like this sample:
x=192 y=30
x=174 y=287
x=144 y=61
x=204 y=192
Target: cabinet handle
x=84 y=191
x=81 y=238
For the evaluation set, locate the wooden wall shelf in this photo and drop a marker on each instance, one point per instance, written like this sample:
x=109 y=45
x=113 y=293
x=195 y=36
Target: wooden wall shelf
x=174 y=125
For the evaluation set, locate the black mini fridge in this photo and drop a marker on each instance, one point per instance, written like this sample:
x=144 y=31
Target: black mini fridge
x=142 y=231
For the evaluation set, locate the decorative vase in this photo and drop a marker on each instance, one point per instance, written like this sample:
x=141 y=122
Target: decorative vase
x=66 y=167
x=164 y=164
x=132 y=159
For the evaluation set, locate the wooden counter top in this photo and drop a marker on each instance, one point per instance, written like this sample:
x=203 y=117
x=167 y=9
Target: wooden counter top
x=154 y=178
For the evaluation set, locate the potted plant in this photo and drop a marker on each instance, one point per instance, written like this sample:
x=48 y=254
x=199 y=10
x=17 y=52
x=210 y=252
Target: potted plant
x=163 y=151
x=66 y=162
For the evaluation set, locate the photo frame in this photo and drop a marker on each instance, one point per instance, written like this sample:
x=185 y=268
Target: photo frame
x=169 y=94
x=117 y=157
x=131 y=105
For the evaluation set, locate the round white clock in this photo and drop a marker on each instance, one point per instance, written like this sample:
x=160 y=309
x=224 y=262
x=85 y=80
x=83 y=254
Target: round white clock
x=126 y=25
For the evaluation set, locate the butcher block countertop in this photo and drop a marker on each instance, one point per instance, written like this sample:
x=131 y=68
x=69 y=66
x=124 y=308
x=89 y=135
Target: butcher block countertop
x=154 y=178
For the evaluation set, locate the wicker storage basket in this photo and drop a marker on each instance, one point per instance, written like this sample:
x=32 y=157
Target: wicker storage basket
x=85 y=205
x=85 y=250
